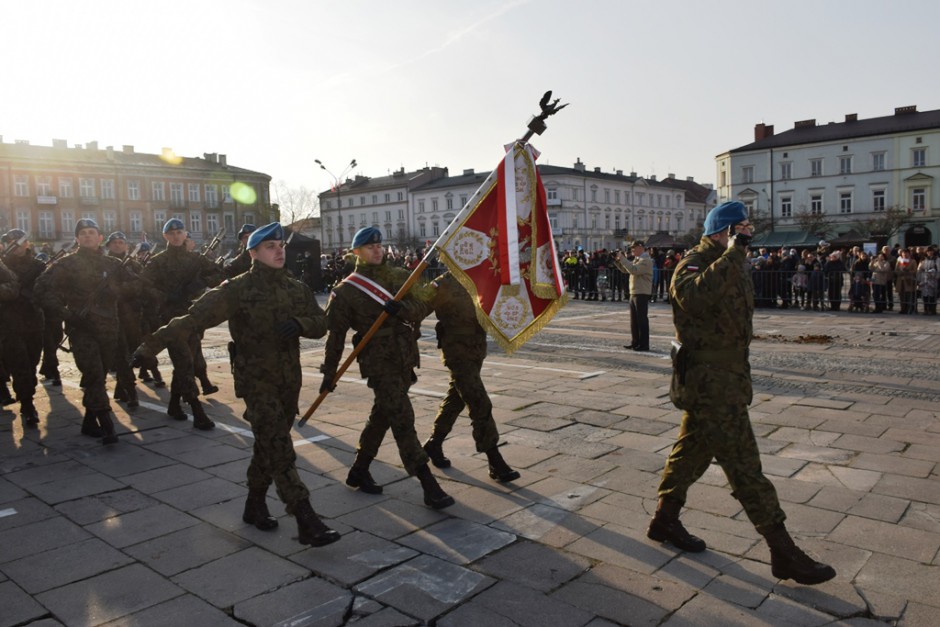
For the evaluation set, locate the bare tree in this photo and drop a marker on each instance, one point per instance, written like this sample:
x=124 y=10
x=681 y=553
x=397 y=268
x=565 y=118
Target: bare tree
x=295 y=203
x=760 y=220
x=815 y=223
x=883 y=224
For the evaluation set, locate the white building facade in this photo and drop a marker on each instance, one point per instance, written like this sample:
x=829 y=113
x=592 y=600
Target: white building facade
x=587 y=208
x=848 y=172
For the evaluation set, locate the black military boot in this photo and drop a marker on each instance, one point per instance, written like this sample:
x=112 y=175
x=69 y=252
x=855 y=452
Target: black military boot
x=158 y=381
x=499 y=469
x=5 y=397
x=434 y=495
x=174 y=410
x=90 y=425
x=201 y=421
x=787 y=561
x=434 y=447
x=144 y=376
x=107 y=427
x=666 y=526
x=28 y=413
x=360 y=477
x=207 y=386
x=310 y=529
x=119 y=394
x=132 y=399
x=256 y=510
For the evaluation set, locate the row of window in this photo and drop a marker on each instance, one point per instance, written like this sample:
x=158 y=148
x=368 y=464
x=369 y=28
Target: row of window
x=351 y=201
x=362 y=219
x=816 y=166
x=655 y=200
x=846 y=199
x=108 y=221
x=89 y=188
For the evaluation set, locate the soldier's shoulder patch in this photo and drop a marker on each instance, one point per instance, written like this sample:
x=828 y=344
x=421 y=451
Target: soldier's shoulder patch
x=692 y=268
x=224 y=283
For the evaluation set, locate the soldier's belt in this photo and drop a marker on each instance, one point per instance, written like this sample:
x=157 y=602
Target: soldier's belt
x=719 y=356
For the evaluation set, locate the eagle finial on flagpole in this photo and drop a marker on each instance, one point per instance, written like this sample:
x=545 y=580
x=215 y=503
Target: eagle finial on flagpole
x=537 y=122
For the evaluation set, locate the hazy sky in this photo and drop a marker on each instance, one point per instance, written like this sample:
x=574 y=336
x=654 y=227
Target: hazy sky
x=655 y=87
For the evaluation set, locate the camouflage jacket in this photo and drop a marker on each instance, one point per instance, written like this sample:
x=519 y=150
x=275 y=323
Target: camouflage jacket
x=459 y=335
x=136 y=297
x=394 y=347
x=85 y=282
x=254 y=303
x=176 y=277
x=9 y=286
x=713 y=303
x=241 y=263
x=23 y=313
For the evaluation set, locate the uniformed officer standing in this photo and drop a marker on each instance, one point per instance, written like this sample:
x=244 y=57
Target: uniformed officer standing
x=82 y=289
x=267 y=311
x=463 y=348
x=21 y=324
x=129 y=313
x=178 y=276
x=388 y=361
x=713 y=304
x=242 y=261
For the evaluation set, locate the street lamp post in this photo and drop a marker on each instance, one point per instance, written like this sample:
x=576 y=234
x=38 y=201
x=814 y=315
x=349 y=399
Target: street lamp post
x=337 y=182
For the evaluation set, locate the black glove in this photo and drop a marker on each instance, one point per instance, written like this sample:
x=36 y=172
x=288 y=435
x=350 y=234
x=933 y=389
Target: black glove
x=143 y=359
x=742 y=240
x=392 y=307
x=288 y=329
x=327 y=385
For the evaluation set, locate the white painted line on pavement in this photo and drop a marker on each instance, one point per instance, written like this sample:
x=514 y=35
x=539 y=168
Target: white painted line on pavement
x=7 y=512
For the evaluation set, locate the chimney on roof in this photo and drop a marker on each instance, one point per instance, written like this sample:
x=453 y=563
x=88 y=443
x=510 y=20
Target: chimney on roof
x=597 y=169
x=580 y=167
x=633 y=173
x=763 y=131
x=671 y=175
x=804 y=124
x=110 y=151
x=60 y=143
x=851 y=117
x=653 y=177
x=211 y=157
x=468 y=172
x=690 y=179
x=128 y=149
x=619 y=172
x=905 y=110
x=223 y=161
x=92 y=145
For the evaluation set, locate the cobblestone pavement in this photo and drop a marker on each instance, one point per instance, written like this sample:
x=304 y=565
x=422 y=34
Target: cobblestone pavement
x=149 y=531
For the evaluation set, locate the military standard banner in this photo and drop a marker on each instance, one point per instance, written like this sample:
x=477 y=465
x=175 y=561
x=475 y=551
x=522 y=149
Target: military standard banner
x=500 y=247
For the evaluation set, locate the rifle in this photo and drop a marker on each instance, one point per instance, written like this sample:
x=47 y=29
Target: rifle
x=220 y=261
x=62 y=252
x=15 y=245
x=215 y=242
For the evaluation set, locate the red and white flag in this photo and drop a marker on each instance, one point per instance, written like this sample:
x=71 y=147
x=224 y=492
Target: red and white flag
x=500 y=247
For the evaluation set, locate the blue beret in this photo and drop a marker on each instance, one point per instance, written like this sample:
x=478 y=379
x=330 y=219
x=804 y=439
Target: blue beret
x=724 y=215
x=116 y=235
x=174 y=224
x=246 y=229
x=366 y=235
x=262 y=234
x=144 y=247
x=86 y=223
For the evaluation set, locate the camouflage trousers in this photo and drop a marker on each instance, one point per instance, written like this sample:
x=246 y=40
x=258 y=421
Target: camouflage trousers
x=392 y=408
x=271 y=417
x=466 y=390
x=183 y=355
x=94 y=353
x=21 y=352
x=725 y=434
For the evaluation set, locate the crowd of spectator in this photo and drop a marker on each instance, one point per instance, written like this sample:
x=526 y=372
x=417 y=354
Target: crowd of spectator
x=820 y=279
x=334 y=267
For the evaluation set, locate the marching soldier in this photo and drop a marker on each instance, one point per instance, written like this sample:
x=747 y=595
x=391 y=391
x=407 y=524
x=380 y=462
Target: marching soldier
x=177 y=276
x=713 y=305
x=387 y=362
x=267 y=312
x=242 y=262
x=463 y=348
x=21 y=324
x=82 y=289
x=149 y=319
x=9 y=290
x=129 y=314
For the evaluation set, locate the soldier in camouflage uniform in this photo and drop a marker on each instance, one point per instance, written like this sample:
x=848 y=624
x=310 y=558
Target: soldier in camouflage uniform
x=388 y=361
x=129 y=313
x=713 y=304
x=177 y=276
x=9 y=290
x=463 y=348
x=82 y=289
x=149 y=319
x=21 y=324
x=242 y=261
x=267 y=311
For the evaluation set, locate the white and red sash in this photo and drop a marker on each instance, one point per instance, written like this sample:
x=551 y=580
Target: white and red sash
x=372 y=289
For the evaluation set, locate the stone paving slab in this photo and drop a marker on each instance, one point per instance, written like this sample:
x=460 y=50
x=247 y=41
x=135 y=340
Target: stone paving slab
x=313 y=602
